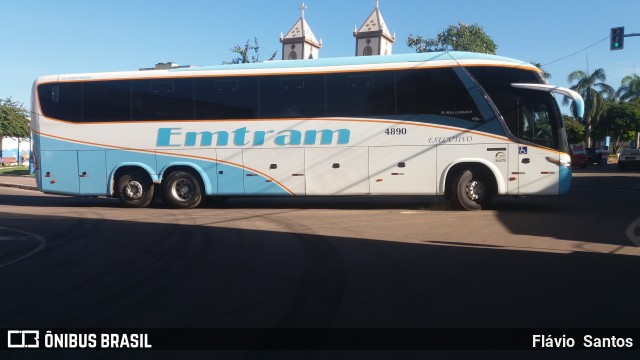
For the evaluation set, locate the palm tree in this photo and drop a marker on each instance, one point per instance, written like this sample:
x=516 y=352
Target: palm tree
x=595 y=93
x=629 y=88
x=544 y=72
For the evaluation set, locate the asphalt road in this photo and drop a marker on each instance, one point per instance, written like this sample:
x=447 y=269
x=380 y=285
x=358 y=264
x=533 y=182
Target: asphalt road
x=540 y=262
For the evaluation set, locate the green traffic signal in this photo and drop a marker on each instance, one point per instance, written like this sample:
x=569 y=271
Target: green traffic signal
x=617 y=38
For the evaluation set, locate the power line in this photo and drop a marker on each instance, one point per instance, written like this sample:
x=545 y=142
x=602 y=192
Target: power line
x=577 y=52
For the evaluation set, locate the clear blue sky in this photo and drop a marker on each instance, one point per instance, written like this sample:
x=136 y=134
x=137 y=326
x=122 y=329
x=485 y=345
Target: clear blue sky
x=43 y=37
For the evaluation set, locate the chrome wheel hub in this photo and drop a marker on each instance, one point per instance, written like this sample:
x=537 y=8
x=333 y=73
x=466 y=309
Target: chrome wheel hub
x=182 y=190
x=475 y=190
x=133 y=190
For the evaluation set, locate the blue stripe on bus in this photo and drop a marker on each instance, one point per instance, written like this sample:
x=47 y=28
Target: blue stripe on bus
x=361 y=60
x=61 y=162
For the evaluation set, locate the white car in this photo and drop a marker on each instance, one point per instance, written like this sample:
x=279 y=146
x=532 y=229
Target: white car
x=629 y=157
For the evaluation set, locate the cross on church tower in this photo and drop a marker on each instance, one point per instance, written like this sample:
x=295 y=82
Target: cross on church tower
x=302 y=8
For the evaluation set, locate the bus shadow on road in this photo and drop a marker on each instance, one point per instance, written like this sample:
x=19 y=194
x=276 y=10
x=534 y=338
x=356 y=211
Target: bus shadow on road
x=596 y=210
x=303 y=202
x=101 y=273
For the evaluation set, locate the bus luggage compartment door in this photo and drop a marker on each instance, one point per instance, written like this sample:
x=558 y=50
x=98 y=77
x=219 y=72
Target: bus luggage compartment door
x=274 y=171
x=60 y=172
x=92 y=172
x=402 y=170
x=230 y=172
x=337 y=171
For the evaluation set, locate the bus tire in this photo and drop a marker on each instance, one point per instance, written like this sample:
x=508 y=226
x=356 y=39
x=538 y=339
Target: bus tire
x=182 y=189
x=135 y=189
x=471 y=190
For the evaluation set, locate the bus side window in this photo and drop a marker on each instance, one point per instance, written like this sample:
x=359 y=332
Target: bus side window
x=354 y=94
x=435 y=92
x=291 y=84
x=55 y=93
x=360 y=81
x=163 y=100
x=226 y=85
x=226 y=98
x=106 y=101
x=292 y=96
x=62 y=101
x=163 y=88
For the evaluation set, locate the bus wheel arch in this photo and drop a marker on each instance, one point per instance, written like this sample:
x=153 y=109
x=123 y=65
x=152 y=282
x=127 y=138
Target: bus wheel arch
x=182 y=187
x=134 y=186
x=470 y=186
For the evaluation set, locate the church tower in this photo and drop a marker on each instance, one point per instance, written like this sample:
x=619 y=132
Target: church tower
x=373 y=37
x=300 y=43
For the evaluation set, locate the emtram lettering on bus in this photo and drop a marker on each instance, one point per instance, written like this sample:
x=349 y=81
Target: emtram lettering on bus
x=176 y=137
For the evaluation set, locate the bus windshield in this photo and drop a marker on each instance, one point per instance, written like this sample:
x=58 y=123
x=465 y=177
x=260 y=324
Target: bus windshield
x=538 y=119
x=530 y=114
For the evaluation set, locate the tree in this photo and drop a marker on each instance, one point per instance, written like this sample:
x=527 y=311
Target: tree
x=14 y=122
x=244 y=51
x=575 y=130
x=629 y=88
x=620 y=123
x=544 y=73
x=455 y=38
x=595 y=92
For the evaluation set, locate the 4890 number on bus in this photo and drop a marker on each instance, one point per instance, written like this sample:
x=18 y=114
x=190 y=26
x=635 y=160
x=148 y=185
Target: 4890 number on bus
x=396 y=131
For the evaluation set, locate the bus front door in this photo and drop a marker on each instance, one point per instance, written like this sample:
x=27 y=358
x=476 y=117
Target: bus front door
x=536 y=174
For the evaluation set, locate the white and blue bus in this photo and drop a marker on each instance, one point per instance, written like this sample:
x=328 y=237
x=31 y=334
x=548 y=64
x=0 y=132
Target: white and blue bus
x=463 y=125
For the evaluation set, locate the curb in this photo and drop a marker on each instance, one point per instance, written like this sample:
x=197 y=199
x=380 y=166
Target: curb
x=24 y=187
x=15 y=185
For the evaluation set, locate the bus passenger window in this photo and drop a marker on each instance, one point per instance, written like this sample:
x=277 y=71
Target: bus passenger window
x=62 y=101
x=354 y=94
x=291 y=84
x=292 y=96
x=226 y=85
x=165 y=100
x=435 y=92
x=162 y=88
x=106 y=101
x=226 y=98
x=55 y=93
x=360 y=81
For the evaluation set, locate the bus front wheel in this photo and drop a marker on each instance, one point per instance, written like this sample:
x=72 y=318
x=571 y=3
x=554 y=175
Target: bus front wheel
x=471 y=189
x=182 y=189
x=135 y=189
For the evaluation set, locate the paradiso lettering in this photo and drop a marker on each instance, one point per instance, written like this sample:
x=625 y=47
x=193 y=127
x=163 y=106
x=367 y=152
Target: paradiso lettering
x=176 y=137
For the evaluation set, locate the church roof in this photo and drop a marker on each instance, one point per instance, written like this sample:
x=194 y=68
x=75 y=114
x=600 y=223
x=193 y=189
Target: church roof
x=300 y=30
x=375 y=24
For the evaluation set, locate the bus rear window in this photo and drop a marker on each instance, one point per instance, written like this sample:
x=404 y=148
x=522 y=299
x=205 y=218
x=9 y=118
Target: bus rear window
x=61 y=101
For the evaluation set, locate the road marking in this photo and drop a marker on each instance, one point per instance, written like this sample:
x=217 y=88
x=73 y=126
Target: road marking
x=631 y=232
x=25 y=236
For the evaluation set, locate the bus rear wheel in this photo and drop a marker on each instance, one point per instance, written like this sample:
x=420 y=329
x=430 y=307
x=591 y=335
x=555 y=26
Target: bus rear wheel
x=471 y=189
x=182 y=189
x=135 y=189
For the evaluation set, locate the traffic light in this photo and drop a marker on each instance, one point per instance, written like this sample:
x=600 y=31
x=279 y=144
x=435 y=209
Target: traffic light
x=617 y=38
